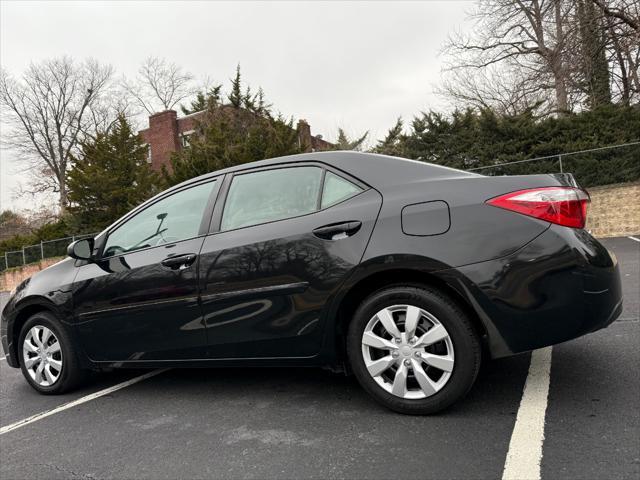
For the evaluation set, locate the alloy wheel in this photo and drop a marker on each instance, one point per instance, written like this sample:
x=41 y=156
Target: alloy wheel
x=42 y=356
x=408 y=352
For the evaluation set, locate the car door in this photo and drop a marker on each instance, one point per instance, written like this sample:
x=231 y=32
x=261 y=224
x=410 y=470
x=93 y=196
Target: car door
x=139 y=300
x=284 y=240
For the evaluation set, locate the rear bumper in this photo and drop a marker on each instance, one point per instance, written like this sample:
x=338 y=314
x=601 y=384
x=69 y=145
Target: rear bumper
x=562 y=285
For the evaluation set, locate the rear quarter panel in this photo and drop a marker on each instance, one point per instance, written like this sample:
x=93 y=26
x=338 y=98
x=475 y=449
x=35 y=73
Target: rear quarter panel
x=531 y=283
x=478 y=232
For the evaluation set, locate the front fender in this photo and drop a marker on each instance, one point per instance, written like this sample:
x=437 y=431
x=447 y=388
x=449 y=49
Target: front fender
x=49 y=289
x=16 y=312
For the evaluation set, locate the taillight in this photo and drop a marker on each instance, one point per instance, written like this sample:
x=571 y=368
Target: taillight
x=565 y=206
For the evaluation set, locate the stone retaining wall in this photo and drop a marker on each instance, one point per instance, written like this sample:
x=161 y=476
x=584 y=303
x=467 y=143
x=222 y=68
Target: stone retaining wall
x=614 y=210
x=12 y=277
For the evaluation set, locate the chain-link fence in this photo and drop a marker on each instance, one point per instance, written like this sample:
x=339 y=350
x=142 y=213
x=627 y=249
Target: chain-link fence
x=596 y=166
x=40 y=251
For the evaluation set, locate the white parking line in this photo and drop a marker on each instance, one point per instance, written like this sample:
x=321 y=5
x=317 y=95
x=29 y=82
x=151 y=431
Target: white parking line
x=634 y=238
x=79 y=401
x=525 y=448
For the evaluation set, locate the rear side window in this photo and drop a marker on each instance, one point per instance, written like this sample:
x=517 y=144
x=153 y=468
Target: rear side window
x=271 y=195
x=337 y=189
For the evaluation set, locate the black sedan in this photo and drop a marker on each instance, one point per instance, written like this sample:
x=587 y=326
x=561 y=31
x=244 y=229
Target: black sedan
x=398 y=271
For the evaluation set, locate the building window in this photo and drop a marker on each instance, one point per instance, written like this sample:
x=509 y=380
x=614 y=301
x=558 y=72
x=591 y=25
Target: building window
x=185 y=138
x=148 y=152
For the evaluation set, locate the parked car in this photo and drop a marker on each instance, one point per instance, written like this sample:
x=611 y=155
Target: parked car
x=398 y=271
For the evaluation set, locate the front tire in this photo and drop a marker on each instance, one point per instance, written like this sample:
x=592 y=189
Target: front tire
x=47 y=358
x=413 y=349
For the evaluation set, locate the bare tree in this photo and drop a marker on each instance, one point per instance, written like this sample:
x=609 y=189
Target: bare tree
x=528 y=36
x=502 y=89
x=627 y=11
x=48 y=110
x=160 y=85
x=107 y=108
x=550 y=56
x=621 y=19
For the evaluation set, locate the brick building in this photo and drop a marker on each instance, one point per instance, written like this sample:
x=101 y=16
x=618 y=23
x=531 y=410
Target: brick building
x=167 y=133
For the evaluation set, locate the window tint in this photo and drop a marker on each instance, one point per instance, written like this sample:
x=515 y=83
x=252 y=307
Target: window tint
x=337 y=189
x=174 y=218
x=271 y=195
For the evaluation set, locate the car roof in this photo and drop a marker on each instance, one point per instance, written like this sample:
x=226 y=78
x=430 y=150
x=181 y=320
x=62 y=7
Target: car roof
x=376 y=170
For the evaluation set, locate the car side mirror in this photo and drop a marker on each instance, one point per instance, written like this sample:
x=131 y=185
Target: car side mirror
x=81 y=249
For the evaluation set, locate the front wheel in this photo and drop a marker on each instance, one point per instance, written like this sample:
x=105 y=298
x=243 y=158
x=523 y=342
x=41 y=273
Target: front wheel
x=413 y=349
x=47 y=357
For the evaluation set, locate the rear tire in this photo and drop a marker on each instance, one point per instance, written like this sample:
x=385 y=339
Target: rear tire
x=413 y=349
x=47 y=357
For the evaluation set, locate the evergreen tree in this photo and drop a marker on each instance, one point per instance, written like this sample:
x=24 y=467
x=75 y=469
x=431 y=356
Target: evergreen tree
x=471 y=138
x=393 y=142
x=228 y=136
x=261 y=106
x=203 y=100
x=109 y=177
x=236 y=97
x=244 y=130
x=344 y=142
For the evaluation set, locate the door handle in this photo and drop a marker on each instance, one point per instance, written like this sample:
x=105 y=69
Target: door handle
x=179 y=262
x=336 y=231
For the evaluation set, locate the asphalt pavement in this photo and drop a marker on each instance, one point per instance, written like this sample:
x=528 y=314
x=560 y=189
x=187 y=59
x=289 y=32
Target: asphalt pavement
x=309 y=423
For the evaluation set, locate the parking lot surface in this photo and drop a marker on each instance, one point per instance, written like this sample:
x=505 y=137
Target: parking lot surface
x=308 y=423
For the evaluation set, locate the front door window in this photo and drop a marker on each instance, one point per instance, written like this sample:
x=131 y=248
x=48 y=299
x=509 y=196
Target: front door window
x=174 y=218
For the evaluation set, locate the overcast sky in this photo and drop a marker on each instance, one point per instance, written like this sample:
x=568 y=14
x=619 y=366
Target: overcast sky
x=356 y=65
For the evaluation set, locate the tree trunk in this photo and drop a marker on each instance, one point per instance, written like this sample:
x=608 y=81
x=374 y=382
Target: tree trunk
x=594 y=65
x=62 y=198
x=624 y=76
x=633 y=68
x=562 y=100
x=557 y=67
